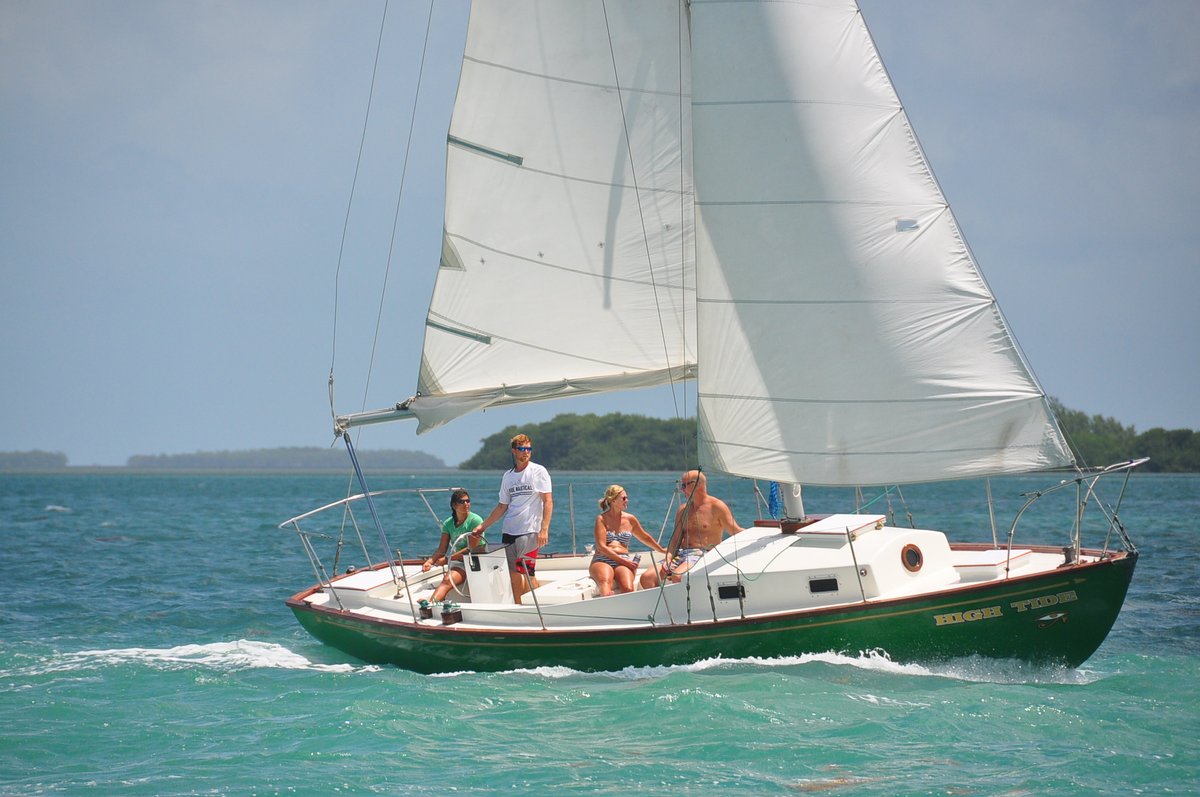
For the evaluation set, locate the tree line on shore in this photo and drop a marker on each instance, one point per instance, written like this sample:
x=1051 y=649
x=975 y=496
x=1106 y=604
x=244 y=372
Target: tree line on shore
x=620 y=442
x=613 y=442
x=617 y=442
x=1100 y=440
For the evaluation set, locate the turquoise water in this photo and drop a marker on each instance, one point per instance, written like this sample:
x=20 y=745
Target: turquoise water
x=145 y=650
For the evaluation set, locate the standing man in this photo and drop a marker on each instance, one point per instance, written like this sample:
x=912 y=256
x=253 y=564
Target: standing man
x=700 y=523
x=526 y=505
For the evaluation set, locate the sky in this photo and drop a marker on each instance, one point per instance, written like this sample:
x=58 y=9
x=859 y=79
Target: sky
x=175 y=180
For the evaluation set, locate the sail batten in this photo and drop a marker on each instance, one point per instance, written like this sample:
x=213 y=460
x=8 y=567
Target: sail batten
x=516 y=160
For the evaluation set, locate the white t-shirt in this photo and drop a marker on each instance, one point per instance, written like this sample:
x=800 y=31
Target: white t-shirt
x=521 y=491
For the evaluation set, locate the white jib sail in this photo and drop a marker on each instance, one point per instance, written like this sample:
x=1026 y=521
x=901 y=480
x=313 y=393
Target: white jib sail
x=846 y=335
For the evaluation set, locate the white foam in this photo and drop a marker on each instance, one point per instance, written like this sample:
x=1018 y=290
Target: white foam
x=240 y=655
x=869 y=661
x=1011 y=671
x=973 y=669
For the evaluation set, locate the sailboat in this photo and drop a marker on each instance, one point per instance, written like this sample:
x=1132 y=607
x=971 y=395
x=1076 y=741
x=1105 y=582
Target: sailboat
x=643 y=192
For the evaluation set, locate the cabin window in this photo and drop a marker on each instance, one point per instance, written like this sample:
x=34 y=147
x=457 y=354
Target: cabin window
x=731 y=592
x=912 y=558
x=817 y=585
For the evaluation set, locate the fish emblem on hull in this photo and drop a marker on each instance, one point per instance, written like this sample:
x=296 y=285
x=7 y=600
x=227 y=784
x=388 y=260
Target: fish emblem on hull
x=1054 y=618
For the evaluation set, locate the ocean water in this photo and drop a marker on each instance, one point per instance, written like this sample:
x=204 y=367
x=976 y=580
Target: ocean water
x=145 y=650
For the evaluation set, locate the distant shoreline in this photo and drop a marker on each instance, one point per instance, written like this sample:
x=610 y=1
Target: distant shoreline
x=284 y=460
x=568 y=442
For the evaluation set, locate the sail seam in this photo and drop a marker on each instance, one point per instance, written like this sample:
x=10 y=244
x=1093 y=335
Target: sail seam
x=874 y=453
x=483 y=152
x=566 y=269
x=731 y=103
x=567 y=81
x=513 y=394
x=493 y=338
x=982 y=303
x=860 y=202
x=958 y=397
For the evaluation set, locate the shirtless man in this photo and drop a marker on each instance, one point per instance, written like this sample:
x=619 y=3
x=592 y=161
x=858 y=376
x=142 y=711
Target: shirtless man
x=699 y=525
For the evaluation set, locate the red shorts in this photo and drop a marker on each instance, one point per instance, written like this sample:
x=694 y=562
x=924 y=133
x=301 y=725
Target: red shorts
x=522 y=551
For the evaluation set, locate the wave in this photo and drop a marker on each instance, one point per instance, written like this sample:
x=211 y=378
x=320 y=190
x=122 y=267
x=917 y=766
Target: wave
x=247 y=654
x=972 y=669
x=225 y=656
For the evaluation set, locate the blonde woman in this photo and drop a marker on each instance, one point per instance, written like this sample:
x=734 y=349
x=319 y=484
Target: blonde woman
x=614 y=530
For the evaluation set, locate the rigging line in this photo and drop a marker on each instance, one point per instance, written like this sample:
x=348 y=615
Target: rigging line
x=692 y=456
x=399 y=198
x=641 y=212
x=744 y=575
x=350 y=202
x=346 y=226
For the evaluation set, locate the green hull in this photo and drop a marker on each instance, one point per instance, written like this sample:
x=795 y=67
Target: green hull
x=1060 y=617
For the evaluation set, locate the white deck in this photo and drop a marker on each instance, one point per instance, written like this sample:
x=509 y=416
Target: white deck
x=841 y=559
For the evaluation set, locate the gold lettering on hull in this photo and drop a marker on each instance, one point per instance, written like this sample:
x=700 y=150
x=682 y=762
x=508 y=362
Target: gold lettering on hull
x=969 y=616
x=990 y=612
x=1044 y=601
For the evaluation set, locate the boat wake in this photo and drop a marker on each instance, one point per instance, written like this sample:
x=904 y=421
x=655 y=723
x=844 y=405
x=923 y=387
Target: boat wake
x=970 y=669
x=225 y=656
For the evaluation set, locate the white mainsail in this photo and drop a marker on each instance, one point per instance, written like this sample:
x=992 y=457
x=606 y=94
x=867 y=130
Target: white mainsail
x=814 y=276
x=567 y=257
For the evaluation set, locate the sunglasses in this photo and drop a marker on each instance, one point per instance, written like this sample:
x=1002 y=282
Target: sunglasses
x=683 y=484
x=462 y=501
x=526 y=449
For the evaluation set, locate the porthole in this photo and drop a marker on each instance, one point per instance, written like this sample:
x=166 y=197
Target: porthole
x=912 y=558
